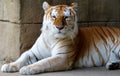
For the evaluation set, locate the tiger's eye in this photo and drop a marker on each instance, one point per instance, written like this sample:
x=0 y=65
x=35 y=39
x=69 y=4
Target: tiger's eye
x=65 y=17
x=54 y=17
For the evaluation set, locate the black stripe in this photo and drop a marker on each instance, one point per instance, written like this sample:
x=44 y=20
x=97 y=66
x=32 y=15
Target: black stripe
x=30 y=60
x=119 y=54
x=35 y=56
x=65 y=52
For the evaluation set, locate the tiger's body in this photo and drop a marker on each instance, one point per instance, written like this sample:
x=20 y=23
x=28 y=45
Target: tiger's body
x=62 y=45
x=98 y=44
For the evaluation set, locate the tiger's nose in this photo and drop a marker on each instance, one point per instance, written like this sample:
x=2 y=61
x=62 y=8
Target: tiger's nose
x=60 y=27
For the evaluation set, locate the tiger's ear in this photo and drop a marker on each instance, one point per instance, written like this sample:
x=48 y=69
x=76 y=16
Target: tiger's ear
x=45 y=6
x=74 y=6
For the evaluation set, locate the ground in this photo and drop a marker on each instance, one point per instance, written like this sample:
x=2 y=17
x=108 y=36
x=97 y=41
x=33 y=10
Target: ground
x=95 y=71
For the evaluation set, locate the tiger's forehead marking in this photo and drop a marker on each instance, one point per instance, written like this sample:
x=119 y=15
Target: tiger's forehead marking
x=62 y=10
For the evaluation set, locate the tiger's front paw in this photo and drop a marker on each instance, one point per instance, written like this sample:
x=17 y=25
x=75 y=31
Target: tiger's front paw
x=26 y=70
x=9 y=68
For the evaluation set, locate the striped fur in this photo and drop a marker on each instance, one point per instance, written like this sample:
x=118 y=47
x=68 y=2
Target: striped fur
x=62 y=45
x=97 y=45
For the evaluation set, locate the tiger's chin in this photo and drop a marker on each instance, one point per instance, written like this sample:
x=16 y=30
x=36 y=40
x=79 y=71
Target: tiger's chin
x=59 y=35
x=63 y=35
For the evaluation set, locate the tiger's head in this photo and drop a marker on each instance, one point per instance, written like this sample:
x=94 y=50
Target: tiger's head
x=60 y=21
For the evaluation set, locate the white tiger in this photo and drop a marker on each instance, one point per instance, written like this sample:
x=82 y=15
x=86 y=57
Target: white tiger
x=62 y=45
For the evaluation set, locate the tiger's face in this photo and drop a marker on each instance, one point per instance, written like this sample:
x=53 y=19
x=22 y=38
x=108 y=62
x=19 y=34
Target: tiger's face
x=59 y=20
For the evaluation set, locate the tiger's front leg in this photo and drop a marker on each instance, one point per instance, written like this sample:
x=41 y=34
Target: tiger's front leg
x=15 y=66
x=54 y=63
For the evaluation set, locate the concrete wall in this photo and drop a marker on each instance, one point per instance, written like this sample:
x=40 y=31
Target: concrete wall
x=15 y=36
x=9 y=29
x=20 y=21
x=89 y=11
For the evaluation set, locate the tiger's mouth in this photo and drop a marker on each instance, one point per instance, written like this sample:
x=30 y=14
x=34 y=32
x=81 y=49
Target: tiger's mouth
x=59 y=32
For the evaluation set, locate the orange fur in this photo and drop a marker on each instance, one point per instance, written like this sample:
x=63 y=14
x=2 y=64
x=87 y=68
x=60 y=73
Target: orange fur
x=90 y=38
x=62 y=45
x=87 y=39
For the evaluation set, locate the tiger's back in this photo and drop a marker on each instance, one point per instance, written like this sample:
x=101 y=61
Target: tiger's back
x=94 y=45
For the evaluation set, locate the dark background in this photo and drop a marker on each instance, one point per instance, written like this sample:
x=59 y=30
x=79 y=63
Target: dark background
x=89 y=12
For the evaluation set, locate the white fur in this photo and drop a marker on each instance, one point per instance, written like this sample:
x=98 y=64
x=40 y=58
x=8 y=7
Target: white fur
x=45 y=49
x=48 y=52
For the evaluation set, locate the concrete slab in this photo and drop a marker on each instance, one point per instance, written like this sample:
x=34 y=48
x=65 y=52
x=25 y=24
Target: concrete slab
x=95 y=71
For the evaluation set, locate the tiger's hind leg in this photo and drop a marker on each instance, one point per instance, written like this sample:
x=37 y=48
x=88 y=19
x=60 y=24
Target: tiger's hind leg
x=114 y=61
x=113 y=66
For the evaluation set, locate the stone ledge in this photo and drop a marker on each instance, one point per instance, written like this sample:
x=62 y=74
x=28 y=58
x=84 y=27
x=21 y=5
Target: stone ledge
x=113 y=24
x=93 y=71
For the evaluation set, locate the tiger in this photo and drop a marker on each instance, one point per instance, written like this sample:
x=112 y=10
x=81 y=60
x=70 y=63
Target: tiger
x=63 y=45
